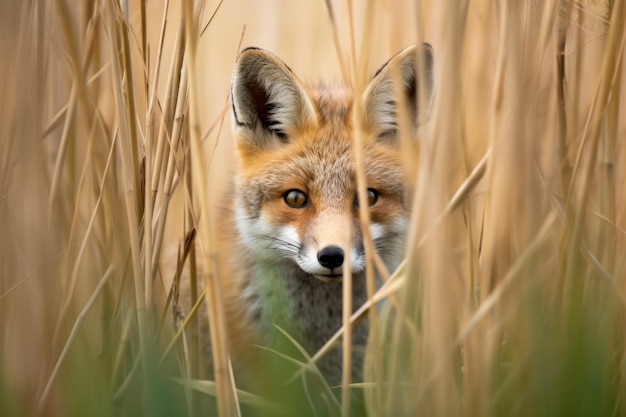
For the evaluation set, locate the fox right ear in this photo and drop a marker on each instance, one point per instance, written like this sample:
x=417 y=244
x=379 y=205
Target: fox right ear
x=269 y=103
x=382 y=98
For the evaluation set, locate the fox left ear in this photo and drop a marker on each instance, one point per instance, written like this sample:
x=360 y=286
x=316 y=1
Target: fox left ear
x=381 y=97
x=268 y=100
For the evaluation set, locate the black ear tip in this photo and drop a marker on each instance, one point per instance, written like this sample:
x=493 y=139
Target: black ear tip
x=251 y=57
x=244 y=57
x=429 y=54
x=250 y=50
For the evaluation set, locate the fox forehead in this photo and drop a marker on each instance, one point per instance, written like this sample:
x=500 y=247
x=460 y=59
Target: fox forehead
x=320 y=159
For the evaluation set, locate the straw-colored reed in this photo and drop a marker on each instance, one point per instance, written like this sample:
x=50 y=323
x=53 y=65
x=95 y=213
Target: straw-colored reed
x=115 y=148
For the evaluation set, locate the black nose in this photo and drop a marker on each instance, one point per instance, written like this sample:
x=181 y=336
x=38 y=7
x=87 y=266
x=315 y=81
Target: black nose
x=330 y=257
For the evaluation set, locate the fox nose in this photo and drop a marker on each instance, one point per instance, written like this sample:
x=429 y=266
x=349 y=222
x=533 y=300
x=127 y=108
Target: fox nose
x=330 y=257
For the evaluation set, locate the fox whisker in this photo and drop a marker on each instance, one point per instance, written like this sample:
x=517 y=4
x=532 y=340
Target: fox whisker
x=287 y=247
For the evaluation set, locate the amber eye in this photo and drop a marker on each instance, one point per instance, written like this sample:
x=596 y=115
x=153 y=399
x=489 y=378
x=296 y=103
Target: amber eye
x=372 y=198
x=295 y=198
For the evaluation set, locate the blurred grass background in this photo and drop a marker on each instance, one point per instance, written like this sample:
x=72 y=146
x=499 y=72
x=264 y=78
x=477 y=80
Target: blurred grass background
x=512 y=298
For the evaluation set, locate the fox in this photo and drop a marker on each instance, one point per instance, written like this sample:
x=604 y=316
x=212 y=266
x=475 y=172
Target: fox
x=291 y=221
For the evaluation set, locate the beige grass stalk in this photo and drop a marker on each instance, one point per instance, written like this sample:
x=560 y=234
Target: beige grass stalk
x=79 y=320
x=74 y=120
x=154 y=81
x=169 y=138
x=335 y=32
x=131 y=109
x=358 y=68
x=153 y=175
x=347 y=336
x=357 y=89
x=429 y=270
x=59 y=162
x=60 y=116
x=373 y=262
x=112 y=17
x=226 y=394
x=67 y=125
x=607 y=241
x=189 y=224
x=148 y=244
x=564 y=128
x=612 y=55
x=474 y=358
x=407 y=143
x=118 y=362
x=494 y=299
x=349 y=73
x=509 y=279
x=79 y=94
x=609 y=165
x=410 y=156
x=509 y=156
x=150 y=161
x=90 y=226
x=179 y=333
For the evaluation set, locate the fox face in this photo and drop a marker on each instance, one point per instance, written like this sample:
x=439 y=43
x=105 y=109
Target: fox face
x=296 y=189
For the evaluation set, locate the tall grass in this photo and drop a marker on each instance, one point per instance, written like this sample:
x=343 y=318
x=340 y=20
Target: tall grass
x=511 y=299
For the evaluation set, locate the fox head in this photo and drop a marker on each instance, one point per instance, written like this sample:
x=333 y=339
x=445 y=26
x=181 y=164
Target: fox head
x=296 y=188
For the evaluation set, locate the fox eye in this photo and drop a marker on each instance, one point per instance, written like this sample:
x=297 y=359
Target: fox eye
x=295 y=198
x=372 y=198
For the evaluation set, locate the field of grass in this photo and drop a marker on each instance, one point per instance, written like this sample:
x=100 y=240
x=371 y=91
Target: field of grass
x=115 y=150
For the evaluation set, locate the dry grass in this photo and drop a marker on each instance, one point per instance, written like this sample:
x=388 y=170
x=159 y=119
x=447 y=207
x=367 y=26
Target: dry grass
x=512 y=296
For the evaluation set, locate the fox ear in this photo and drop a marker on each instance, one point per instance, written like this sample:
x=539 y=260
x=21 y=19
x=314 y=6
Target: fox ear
x=269 y=103
x=381 y=95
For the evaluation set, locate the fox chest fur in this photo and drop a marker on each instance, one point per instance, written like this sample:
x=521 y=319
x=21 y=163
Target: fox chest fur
x=292 y=231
